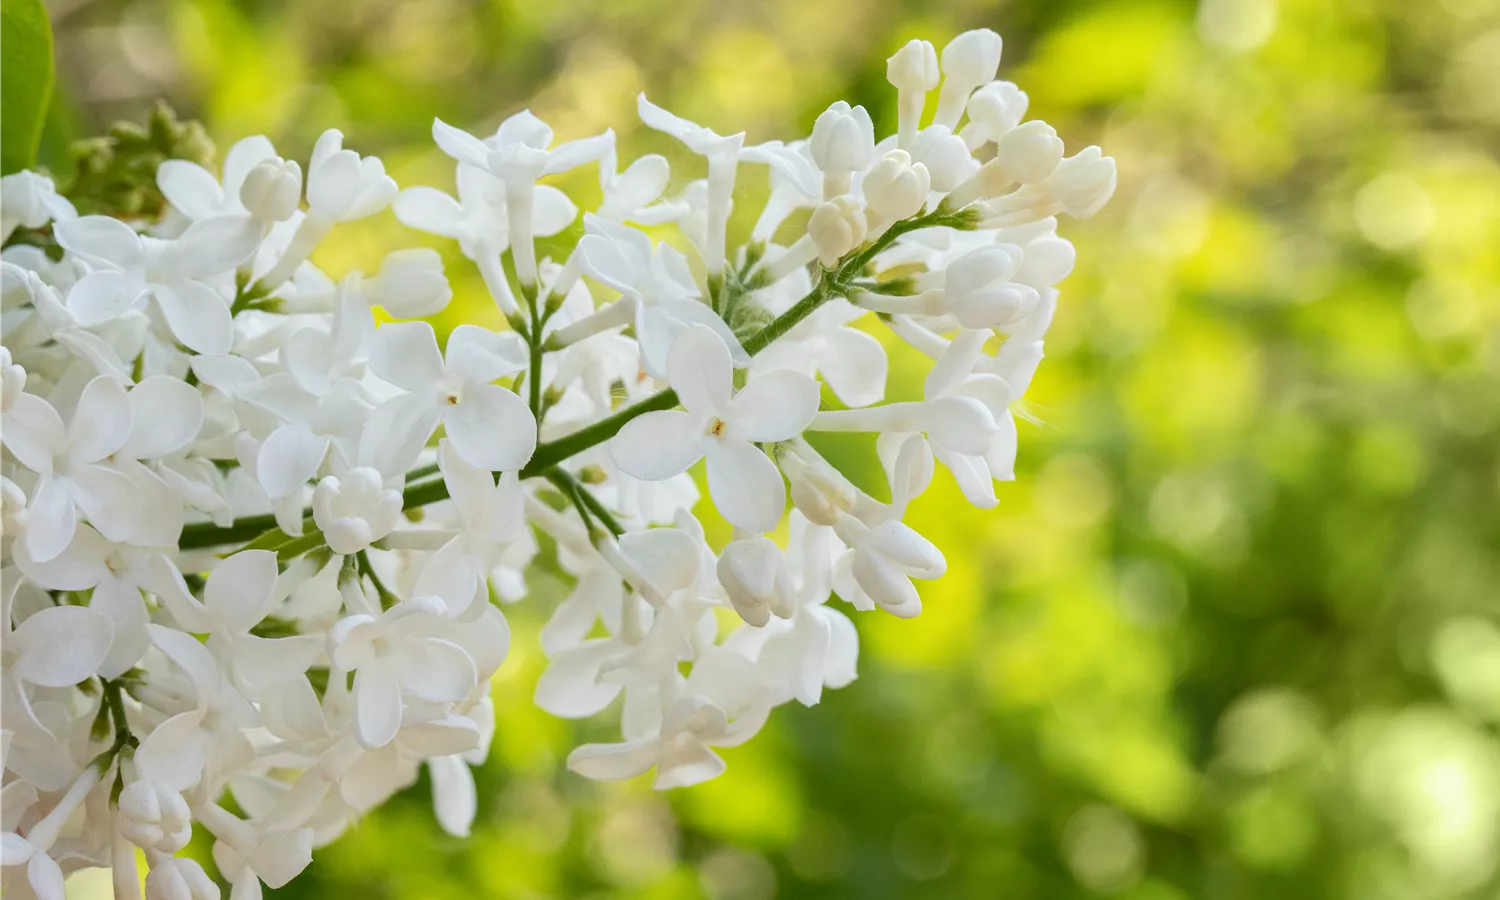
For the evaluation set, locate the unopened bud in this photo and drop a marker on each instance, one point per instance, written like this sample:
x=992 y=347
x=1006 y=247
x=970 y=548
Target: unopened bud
x=993 y=110
x=179 y=878
x=895 y=187
x=973 y=57
x=914 y=67
x=272 y=190
x=945 y=156
x=820 y=496
x=979 y=291
x=1083 y=182
x=1029 y=152
x=154 y=816
x=843 y=139
x=753 y=573
x=837 y=226
x=411 y=284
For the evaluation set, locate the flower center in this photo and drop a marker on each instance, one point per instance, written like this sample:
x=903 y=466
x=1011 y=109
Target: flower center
x=716 y=427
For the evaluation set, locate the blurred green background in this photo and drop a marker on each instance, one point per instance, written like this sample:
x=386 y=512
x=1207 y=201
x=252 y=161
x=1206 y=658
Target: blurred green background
x=1232 y=633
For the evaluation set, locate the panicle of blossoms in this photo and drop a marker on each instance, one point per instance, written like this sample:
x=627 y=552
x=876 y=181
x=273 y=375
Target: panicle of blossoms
x=257 y=547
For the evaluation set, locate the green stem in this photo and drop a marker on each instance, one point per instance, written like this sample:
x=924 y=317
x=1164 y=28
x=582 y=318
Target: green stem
x=582 y=497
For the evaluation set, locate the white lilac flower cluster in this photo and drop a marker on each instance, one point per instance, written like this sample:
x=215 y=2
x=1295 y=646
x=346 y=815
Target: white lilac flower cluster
x=237 y=564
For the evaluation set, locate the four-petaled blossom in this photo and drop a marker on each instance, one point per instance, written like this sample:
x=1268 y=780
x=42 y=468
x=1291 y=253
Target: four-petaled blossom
x=400 y=651
x=489 y=425
x=722 y=425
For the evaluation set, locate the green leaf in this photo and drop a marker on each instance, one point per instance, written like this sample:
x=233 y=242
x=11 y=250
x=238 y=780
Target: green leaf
x=25 y=80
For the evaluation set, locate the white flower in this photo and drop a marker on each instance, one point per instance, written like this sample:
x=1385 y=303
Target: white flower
x=993 y=110
x=68 y=460
x=194 y=192
x=12 y=380
x=179 y=878
x=130 y=267
x=410 y=284
x=489 y=426
x=518 y=156
x=55 y=647
x=969 y=61
x=237 y=596
x=356 y=510
x=398 y=652
x=342 y=186
x=913 y=70
x=30 y=200
x=723 y=426
x=842 y=142
x=490 y=518
x=154 y=816
x=721 y=704
x=722 y=153
x=895 y=187
x=837 y=226
x=1078 y=186
x=754 y=575
x=272 y=190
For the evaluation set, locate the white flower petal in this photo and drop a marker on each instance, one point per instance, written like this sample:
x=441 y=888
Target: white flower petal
x=239 y=589
x=61 y=645
x=777 y=406
x=214 y=246
x=166 y=414
x=855 y=367
x=288 y=458
x=430 y=210
x=614 y=762
x=377 y=706
x=103 y=296
x=454 y=799
x=570 y=687
x=657 y=445
x=700 y=372
x=745 y=484
x=491 y=428
x=435 y=669
x=101 y=422
x=198 y=317
x=107 y=499
x=102 y=238
x=406 y=354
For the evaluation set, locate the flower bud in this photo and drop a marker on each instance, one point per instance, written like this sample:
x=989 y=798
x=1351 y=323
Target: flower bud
x=843 y=139
x=272 y=190
x=179 y=878
x=1083 y=182
x=978 y=288
x=973 y=57
x=356 y=510
x=411 y=284
x=895 y=187
x=993 y=110
x=12 y=380
x=154 y=816
x=1030 y=152
x=914 y=67
x=945 y=155
x=837 y=226
x=820 y=495
x=753 y=573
